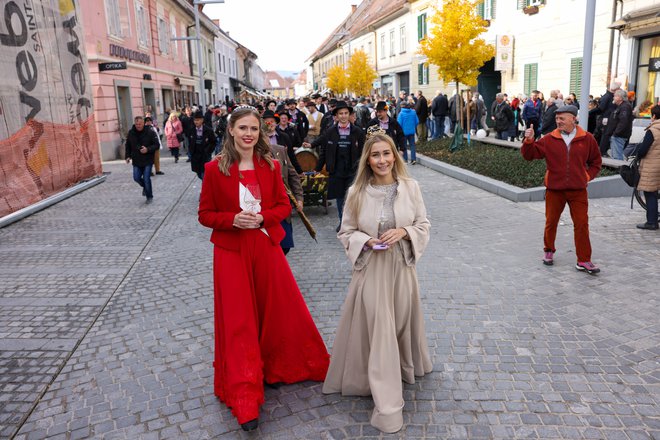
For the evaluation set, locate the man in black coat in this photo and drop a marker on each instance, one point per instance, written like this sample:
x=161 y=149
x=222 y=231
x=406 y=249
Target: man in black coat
x=187 y=124
x=390 y=125
x=340 y=148
x=298 y=118
x=549 y=124
x=288 y=137
x=439 y=109
x=201 y=141
x=619 y=126
x=503 y=116
x=141 y=145
x=328 y=119
x=422 y=110
x=605 y=108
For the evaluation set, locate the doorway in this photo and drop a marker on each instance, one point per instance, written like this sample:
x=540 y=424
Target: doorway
x=149 y=100
x=124 y=110
x=404 y=82
x=489 y=84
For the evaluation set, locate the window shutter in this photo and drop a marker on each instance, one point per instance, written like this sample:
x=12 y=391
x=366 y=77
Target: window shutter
x=419 y=28
x=493 y=5
x=531 y=75
x=480 y=8
x=420 y=73
x=426 y=73
x=521 y=4
x=576 y=76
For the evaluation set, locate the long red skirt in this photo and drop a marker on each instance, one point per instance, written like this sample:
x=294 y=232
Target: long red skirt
x=263 y=329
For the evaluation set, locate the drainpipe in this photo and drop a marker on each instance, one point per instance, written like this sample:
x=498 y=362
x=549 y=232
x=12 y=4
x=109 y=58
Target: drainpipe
x=190 y=63
x=609 y=54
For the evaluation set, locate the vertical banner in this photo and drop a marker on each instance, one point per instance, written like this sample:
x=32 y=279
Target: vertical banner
x=504 y=53
x=47 y=137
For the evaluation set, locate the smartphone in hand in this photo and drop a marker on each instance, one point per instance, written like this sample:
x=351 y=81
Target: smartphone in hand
x=380 y=247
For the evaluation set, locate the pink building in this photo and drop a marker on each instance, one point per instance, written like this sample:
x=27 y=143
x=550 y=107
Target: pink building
x=135 y=66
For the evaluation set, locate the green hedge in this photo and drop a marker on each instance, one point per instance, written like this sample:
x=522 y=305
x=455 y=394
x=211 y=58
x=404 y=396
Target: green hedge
x=499 y=163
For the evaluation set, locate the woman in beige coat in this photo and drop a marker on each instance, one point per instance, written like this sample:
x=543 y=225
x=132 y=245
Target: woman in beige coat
x=649 y=170
x=381 y=339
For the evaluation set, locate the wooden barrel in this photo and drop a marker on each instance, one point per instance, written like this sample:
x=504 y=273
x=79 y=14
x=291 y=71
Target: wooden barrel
x=307 y=158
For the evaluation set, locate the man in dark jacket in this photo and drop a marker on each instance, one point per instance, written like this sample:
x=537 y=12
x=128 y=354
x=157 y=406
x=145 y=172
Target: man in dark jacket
x=619 y=126
x=201 y=141
x=288 y=137
x=549 y=123
x=531 y=113
x=363 y=114
x=503 y=116
x=605 y=108
x=297 y=118
x=328 y=119
x=422 y=110
x=340 y=148
x=141 y=145
x=187 y=124
x=391 y=126
x=439 y=109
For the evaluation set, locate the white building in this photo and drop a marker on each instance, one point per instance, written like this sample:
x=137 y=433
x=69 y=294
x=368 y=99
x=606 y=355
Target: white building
x=227 y=68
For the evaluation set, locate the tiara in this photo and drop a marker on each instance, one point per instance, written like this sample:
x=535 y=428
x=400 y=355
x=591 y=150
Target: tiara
x=375 y=130
x=245 y=106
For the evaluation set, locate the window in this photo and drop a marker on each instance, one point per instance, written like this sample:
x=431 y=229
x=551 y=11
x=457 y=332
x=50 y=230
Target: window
x=142 y=22
x=175 y=44
x=112 y=18
x=525 y=3
x=224 y=66
x=391 y=42
x=486 y=9
x=163 y=36
x=382 y=45
x=576 y=76
x=422 y=74
x=184 y=43
x=371 y=49
x=531 y=74
x=402 y=38
x=421 y=27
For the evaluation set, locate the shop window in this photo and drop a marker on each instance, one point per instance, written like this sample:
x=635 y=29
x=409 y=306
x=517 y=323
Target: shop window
x=531 y=77
x=648 y=75
x=575 y=85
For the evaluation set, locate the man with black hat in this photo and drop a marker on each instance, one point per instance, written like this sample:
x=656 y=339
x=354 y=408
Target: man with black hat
x=298 y=118
x=572 y=159
x=201 y=143
x=340 y=148
x=287 y=135
x=320 y=103
x=391 y=126
x=141 y=145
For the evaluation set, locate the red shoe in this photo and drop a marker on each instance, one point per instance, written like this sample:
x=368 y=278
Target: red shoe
x=588 y=267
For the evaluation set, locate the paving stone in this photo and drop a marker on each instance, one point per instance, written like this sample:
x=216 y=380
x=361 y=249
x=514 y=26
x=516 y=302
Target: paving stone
x=520 y=350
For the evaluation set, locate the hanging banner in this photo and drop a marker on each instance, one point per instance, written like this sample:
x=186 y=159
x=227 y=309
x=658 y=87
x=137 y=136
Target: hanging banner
x=48 y=140
x=504 y=53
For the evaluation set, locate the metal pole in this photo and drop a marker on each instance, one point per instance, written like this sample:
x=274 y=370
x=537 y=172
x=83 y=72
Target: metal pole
x=588 y=47
x=200 y=71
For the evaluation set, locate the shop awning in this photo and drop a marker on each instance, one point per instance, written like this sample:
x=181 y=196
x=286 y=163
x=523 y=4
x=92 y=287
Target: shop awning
x=638 y=19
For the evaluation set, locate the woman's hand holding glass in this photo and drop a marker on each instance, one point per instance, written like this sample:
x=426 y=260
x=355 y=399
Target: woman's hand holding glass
x=391 y=236
x=248 y=220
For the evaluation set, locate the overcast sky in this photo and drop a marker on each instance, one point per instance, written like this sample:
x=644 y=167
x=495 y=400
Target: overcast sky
x=264 y=25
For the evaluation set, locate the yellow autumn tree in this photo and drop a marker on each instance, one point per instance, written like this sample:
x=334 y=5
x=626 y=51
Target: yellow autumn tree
x=337 y=80
x=360 y=74
x=454 y=46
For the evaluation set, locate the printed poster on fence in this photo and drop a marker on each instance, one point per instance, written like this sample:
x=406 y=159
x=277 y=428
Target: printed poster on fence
x=47 y=137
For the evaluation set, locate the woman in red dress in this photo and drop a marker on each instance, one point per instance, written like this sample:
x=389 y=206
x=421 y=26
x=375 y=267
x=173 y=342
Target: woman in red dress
x=264 y=332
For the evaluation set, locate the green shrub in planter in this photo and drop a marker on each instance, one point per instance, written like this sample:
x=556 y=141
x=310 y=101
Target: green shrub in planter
x=499 y=163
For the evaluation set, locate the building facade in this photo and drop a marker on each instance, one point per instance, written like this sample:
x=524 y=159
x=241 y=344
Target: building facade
x=136 y=65
x=226 y=67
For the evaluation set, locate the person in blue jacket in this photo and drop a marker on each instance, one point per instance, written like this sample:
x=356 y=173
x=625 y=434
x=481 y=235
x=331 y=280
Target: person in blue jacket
x=408 y=121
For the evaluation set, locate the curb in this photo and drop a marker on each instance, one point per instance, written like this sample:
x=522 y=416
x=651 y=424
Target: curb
x=45 y=203
x=601 y=187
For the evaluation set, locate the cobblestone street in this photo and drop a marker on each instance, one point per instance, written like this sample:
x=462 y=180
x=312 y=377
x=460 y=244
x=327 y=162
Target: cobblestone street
x=106 y=323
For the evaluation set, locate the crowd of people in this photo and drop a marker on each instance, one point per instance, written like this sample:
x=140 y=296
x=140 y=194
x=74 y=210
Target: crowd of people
x=246 y=157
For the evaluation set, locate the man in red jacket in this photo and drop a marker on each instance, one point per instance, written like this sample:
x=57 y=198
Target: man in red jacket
x=572 y=159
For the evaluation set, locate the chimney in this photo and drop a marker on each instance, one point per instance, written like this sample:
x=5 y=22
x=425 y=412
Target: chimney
x=353 y=9
x=217 y=22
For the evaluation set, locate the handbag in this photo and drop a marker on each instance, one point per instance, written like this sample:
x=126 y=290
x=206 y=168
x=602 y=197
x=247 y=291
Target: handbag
x=629 y=172
x=179 y=137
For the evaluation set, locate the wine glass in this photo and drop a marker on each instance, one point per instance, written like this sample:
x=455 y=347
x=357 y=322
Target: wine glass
x=252 y=197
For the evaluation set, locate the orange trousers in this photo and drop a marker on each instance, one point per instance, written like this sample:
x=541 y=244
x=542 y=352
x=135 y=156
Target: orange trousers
x=578 y=203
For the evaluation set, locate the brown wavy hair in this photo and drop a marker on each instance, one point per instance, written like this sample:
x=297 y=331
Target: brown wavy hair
x=229 y=154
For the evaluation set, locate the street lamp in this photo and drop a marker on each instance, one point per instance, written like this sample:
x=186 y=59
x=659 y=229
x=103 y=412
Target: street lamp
x=198 y=38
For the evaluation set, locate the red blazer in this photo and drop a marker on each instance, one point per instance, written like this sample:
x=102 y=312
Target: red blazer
x=219 y=203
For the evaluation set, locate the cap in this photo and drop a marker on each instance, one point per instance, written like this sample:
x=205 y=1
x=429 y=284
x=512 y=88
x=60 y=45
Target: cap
x=567 y=109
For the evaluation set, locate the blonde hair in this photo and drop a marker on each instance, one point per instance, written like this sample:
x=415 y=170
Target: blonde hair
x=365 y=173
x=173 y=115
x=229 y=153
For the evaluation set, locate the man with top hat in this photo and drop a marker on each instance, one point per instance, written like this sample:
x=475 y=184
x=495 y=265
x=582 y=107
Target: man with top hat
x=201 y=143
x=314 y=117
x=340 y=148
x=572 y=159
x=289 y=134
x=391 y=126
x=297 y=118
